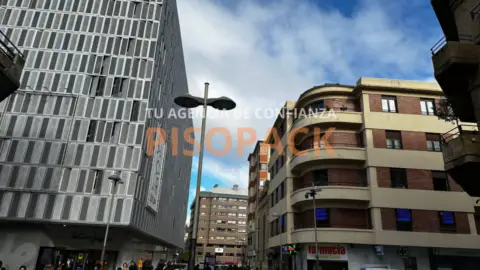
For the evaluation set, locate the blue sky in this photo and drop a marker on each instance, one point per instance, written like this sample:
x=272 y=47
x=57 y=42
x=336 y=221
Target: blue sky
x=265 y=52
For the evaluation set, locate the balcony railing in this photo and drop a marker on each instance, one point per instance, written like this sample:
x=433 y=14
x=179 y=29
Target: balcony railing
x=475 y=11
x=8 y=48
x=459 y=130
x=443 y=41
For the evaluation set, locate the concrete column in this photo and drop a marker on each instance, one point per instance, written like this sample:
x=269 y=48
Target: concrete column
x=376 y=219
x=471 y=222
x=372 y=177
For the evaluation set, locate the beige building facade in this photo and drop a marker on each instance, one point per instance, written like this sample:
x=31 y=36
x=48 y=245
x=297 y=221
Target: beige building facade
x=373 y=153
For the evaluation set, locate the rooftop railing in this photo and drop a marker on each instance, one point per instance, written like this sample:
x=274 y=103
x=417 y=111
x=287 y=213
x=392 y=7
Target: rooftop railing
x=8 y=48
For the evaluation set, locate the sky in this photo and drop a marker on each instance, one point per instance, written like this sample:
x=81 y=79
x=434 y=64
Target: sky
x=265 y=52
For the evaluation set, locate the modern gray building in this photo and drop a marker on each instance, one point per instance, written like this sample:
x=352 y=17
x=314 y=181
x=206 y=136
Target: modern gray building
x=92 y=69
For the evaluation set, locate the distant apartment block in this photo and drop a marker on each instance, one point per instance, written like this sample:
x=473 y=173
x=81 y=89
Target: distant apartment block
x=222 y=225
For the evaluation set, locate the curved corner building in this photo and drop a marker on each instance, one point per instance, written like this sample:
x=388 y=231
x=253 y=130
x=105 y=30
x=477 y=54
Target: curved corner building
x=92 y=69
x=384 y=199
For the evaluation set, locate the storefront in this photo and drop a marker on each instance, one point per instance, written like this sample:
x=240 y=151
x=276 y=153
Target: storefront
x=454 y=259
x=332 y=257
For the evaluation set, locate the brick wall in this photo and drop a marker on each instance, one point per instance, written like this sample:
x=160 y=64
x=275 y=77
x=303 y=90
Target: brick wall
x=414 y=141
x=405 y=104
x=424 y=221
x=419 y=179
x=408 y=105
x=336 y=177
x=379 y=139
x=375 y=102
x=336 y=103
x=416 y=179
x=383 y=177
x=339 y=218
x=388 y=219
x=453 y=185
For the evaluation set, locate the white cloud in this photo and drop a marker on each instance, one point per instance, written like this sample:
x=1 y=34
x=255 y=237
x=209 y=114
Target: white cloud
x=262 y=55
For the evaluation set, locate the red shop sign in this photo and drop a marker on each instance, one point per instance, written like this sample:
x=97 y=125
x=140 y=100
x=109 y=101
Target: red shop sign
x=328 y=250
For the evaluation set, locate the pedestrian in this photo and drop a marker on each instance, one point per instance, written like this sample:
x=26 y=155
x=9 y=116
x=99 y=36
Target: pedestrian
x=23 y=267
x=125 y=266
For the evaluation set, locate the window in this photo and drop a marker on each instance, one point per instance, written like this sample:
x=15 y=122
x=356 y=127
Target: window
x=263 y=166
x=135 y=110
x=91 y=131
x=447 y=221
x=117 y=87
x=394 y=139
x=320 y=178
x=322 y=217
x=389 y=104
x=97 y=182
x=404 y=219
x=282 y=224
x=316 y=107
x=427 y=106
x=398 y=178
x=272 y=199
x=440 y=181
x=433 y=142
x=115 y=132
x=281 y=191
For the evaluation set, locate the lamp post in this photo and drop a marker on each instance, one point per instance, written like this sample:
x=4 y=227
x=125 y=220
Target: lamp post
x=312 y=193
x=188 y=101
x=115 y=181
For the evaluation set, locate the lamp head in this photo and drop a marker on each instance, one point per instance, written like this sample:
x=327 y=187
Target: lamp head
x=188 y=101
x=222 y=103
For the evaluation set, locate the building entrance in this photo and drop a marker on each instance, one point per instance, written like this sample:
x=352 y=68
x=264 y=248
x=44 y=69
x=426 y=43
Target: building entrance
x=328 y=265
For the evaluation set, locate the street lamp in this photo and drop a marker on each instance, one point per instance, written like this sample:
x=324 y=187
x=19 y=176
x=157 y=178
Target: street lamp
x=115 y=178
x=312 y=193
x=188 y=101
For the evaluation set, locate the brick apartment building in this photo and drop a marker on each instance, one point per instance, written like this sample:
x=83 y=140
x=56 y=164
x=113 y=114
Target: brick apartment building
x=222 y=225
x=384 y=199
x=258 y=176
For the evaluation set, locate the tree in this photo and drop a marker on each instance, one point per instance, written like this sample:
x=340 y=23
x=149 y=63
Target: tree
x=445 y=111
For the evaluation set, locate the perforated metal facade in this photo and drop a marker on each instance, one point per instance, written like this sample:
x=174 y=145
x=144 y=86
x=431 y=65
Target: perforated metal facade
x=92 y=69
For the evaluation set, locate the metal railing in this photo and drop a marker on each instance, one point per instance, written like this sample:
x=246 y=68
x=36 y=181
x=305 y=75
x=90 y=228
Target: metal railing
x=8 y=48
x=457 y=131
x=475 y=11
x=439 y=45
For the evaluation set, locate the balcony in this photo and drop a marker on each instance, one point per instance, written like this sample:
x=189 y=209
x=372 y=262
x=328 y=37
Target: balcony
x=461 y=154
x=12 y=62
x=332 y=153
x=456 y=64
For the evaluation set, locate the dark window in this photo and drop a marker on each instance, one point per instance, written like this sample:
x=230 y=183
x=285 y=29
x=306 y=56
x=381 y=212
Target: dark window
x=447 y=221
x=404 y=219
x=320 y=178
x=398 y=178
x=433 y=142
x=282 y=190
x=135 y=111
x=282 y=224
x=394 y=139
x=427 y=106
x=322 y=218
x=389 y=104
x=272 y=199
x=91 y=131
x=440 y=181
x=316 y=107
